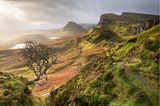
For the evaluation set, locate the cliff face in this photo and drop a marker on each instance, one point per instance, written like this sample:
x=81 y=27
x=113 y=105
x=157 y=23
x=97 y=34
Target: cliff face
x=143 y=26
x=127 y=17
x=109 y=18
x=136 y=22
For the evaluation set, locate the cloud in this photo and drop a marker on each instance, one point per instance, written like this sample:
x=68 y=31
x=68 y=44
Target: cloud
x=8 y=10
x=21 y=14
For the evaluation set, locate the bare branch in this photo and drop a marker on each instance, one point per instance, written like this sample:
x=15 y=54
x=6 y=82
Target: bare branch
x=39 y=58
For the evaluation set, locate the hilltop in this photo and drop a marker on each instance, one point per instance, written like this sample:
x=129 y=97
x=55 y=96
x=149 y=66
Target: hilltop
x=71 y=29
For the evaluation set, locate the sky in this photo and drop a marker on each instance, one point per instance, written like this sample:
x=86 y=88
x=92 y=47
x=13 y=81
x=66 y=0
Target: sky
x=18 y=15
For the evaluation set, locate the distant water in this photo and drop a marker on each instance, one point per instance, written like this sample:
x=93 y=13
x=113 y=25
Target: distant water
x=53 y=38
x=22 y=45
x=19 y=46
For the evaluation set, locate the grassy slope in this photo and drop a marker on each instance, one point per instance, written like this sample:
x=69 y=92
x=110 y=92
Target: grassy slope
x=14 y=91
x=13 y=63
x=127 y=74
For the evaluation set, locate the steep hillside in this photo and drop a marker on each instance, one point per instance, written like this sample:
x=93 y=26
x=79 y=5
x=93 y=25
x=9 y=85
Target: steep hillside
x=70 y=29
x=126 y=73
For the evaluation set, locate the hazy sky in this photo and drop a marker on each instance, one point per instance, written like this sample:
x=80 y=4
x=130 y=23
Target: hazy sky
x=54 y=13
x=47 y=14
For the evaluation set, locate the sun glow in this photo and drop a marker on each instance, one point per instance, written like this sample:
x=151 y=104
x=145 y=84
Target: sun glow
x=8 y=10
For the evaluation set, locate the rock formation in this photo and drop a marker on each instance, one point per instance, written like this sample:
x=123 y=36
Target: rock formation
x=143 y=26
x=136 y=22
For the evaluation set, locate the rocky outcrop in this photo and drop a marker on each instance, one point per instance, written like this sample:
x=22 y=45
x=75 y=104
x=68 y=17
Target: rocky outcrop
x=109 y=18
x=143 y=26
x=127 y=18
x=136 y=22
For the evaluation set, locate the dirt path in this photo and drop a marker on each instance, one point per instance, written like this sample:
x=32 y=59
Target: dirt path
x=56 y=80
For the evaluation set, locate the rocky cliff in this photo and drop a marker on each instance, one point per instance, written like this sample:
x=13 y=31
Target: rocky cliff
x=136 y=22
x=127 y=18
x=143 y=26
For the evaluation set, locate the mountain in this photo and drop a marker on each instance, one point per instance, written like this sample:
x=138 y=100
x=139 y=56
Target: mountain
x=73 y=27
x=70 y=29
x=32 y=37
x=121 y=68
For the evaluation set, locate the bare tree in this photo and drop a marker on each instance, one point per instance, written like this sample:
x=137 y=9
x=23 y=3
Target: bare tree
x=39 y=58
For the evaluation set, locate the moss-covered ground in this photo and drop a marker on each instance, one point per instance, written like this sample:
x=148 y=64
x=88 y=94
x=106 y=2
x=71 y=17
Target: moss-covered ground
x=126 y=74
x=14 y=91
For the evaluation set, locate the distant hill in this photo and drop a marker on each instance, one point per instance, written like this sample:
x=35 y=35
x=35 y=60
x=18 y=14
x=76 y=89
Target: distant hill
x=32 y=37
x=88 y=26
x=70 y=29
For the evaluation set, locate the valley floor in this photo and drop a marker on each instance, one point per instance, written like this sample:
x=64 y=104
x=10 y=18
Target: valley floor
x=68 y=65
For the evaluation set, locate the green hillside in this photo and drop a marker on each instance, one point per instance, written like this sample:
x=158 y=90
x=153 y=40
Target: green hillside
x=14 y=91
x=125 y=74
